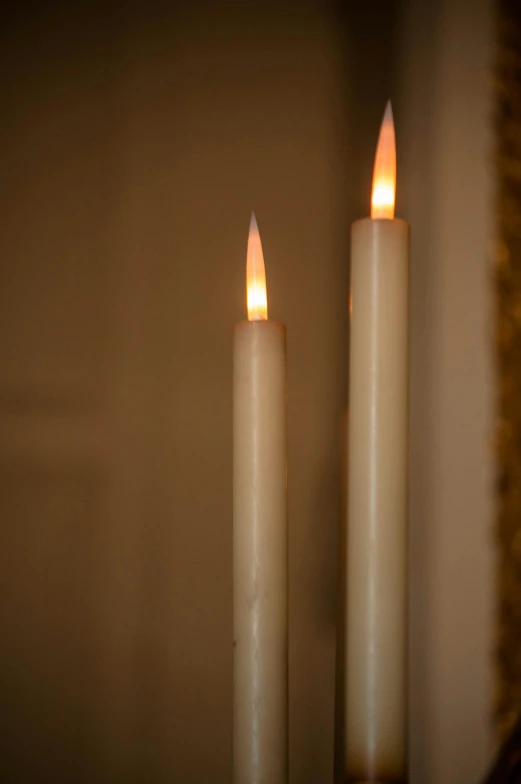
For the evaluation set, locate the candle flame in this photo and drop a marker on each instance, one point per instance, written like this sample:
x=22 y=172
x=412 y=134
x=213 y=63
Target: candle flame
x=256 y=276
x=384 y=174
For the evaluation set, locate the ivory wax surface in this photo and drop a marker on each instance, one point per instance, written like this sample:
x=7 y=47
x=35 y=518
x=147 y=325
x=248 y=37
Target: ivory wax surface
x=376 y=574
x=260 y=558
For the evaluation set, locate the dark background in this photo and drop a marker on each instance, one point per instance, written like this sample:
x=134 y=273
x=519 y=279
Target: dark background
x=135 y=140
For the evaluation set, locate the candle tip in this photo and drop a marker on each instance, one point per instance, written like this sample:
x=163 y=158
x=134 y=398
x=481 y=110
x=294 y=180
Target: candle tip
x=253 y=222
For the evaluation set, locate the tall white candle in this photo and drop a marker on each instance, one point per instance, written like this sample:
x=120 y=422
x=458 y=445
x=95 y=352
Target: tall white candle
x=260 y=652
x=375 y=684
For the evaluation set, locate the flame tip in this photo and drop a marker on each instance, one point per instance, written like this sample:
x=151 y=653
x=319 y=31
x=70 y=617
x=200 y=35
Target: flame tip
x=384 y=174
x=257 y=302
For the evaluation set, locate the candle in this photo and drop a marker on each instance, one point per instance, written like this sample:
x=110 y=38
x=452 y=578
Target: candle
x=376 y=558
x=260 y=647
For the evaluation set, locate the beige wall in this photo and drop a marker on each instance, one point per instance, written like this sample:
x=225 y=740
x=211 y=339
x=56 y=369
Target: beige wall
x=445 y=106
x=133 y=146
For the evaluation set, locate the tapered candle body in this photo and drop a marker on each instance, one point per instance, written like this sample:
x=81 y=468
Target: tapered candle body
x=260 y=558
x=375 y=697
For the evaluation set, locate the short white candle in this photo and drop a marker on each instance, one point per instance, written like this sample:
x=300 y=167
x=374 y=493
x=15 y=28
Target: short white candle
x=260 y=557
x=376 y=559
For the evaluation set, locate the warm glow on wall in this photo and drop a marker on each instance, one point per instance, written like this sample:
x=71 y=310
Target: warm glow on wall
x=384 y=175
x=256 y=276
